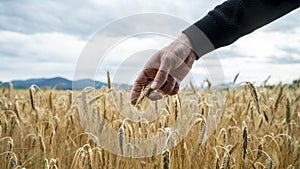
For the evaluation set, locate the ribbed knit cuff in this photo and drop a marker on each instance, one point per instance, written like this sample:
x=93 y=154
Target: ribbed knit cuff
x=201 y=43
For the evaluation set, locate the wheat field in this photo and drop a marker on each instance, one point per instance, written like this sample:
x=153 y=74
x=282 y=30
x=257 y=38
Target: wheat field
x=259 y=128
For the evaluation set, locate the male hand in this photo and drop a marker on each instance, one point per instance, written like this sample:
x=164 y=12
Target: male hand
x=165 y=70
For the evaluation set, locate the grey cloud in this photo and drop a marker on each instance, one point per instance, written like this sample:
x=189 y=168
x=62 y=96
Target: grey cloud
x=9 y=54
x=83 y=18
x=29 y=69
x=39 y=55
x=170 y=26
x=284 y=60
x=31 y=16
x=287 y=23
x=291 y=50
x=228 y=53
x=231 y=51
x=292 y=55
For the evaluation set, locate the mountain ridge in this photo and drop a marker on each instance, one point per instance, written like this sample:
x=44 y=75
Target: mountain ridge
x=58 y=83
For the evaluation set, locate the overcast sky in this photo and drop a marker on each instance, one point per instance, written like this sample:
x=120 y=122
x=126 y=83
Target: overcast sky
x=45 y=38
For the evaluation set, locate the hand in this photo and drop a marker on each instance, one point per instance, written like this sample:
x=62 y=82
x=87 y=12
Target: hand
x=165 y=69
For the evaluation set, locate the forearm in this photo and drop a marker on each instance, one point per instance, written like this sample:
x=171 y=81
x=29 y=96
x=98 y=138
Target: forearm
x=233 y=19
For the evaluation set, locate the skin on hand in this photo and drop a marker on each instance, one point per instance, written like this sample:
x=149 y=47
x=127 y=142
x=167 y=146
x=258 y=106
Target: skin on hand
x=165 y=70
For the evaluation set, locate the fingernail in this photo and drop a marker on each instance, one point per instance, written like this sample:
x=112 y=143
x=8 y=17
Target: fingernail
x=155 y=96
x=154 y=85
x=158 y=97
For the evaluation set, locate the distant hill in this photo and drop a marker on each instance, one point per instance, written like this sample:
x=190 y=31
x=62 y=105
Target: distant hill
x=58 y=83
x=61 y=83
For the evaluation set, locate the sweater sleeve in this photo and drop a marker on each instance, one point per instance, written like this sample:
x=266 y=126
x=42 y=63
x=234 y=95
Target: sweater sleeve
x=233 y=19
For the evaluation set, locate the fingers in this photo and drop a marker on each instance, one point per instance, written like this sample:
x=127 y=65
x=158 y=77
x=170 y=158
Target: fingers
x=190 y=59
x=167 y=63
x=176 y=59
x=163 y=82
x=175 y=89
x=136 y=91
x=171 y=87
x=159 y=80
x=168 y=85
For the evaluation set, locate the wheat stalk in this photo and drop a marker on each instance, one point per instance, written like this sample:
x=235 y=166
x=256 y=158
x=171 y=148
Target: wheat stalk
x=121 y=138
x=10 y=89
x=166 y=159
x=52 y=134
x=235 y=78
x=108 y=80
x=296 y=152
x=208 y=84
x=12 y=163
x=202 y=131
x=0 y=130
x=278 y=99
x=254 y=95
x=70 y=98
x=269 y=163
x=31 y=93
x=288 y=114
x=222 y=134
x=82 y=159
x=13 y=124
x=90 y=158
x=53 y=163
x=46 y=164
x=217 y=161
x=245 y=139
x=260 y=148
x=264 y=83
x=194 y=89
x=42 y=145
x=10 y=144
x=225 y=160
x=50 y=101
x=145 y=92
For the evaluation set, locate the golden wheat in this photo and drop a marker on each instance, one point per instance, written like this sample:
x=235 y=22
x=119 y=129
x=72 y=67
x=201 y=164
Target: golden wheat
x=42 y=129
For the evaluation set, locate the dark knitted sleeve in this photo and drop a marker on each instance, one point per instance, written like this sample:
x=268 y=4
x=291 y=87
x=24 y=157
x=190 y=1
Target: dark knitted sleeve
x=233 y=19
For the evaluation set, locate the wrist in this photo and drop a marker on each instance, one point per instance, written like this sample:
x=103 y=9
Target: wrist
x=183 y=38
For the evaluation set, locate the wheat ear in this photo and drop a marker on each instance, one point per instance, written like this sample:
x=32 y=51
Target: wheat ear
x=269 y=163
x=108 y=80
x=278 y=99
x=245 y=139
x=225 y=160
x=203 y=128
x=166 y=159
x=254 y=95
x=142 y=96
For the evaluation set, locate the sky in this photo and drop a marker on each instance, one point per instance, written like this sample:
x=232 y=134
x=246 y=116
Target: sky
x=46 y=39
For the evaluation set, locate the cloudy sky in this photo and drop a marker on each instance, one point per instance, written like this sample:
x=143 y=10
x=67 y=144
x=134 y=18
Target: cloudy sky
x=46 y=38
